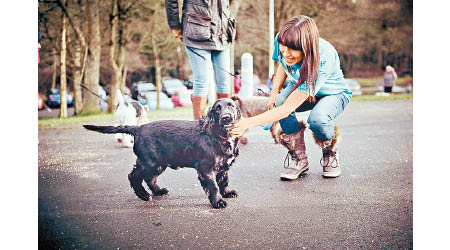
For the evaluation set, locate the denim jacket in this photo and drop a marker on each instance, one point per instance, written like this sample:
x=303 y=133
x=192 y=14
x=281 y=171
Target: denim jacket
x=206 y=24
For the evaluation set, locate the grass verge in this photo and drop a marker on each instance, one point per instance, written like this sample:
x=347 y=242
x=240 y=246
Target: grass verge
x=381 y=98
x=377 y=81
x=105 y=117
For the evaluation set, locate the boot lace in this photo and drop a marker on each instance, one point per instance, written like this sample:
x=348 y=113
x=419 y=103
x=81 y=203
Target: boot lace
x=329 y=154
x=286 y=159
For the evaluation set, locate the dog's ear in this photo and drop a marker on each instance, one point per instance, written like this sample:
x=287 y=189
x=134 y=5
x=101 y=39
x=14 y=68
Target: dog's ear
x=207 y=122
x=238 y=112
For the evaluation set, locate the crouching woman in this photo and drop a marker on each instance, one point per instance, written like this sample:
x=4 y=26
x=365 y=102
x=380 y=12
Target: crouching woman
x=310 y=67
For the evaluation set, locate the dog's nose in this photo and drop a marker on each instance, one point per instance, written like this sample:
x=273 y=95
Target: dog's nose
x=227 y=118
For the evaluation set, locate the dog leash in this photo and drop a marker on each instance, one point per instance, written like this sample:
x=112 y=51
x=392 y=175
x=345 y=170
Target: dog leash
x=92 y=92
x=226 y=71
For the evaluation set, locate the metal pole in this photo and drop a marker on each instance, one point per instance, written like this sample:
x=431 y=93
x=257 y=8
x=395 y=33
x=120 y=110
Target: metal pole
x=271 y=34
x=246 y=75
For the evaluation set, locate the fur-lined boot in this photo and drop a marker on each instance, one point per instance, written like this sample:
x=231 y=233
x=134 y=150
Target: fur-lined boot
x=295 y=143
x=276 y=132
x=330 y=159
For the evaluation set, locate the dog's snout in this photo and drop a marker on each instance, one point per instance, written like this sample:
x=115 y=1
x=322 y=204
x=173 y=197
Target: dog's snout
x=227 y=117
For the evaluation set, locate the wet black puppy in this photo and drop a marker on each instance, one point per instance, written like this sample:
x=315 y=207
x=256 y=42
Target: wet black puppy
x=205 y=145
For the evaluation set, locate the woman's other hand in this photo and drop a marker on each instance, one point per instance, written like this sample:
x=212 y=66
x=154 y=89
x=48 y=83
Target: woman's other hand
x=272 y=99
x=177 y=33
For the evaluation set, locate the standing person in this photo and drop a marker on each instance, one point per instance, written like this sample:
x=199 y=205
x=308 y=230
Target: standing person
x=237 y=81
x=389 y=78
x=207 y=30
x=311 y=69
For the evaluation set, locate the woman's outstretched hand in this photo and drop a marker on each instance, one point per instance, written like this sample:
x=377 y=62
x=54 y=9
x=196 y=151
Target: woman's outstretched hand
x=240 y=127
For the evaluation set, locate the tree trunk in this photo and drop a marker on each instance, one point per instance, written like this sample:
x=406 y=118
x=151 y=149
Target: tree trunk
x=78 y=66
x=63 y=77
x=92 y=77
x=117 y=60
x=124 y=77
x=114 y=19
x=55 y=67
x=157 y=70
x=78 y=99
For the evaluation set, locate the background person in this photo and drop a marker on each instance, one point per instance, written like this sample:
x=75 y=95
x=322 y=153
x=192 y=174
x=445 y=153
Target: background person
x=237 y=82
x=207 y=30
x=389 y=78
x=311 y=67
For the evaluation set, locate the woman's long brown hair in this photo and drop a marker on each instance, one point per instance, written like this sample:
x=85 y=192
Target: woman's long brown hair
x=301 y=33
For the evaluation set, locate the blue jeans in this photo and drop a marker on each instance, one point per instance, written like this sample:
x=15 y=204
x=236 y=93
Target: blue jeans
x=200 y=68
x=323 y=111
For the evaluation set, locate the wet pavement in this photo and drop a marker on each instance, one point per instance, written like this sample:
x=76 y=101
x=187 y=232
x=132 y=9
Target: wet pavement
x=85 y=201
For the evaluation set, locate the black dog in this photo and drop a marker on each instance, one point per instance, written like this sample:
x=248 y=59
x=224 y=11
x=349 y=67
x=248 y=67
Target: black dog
x=204 y=145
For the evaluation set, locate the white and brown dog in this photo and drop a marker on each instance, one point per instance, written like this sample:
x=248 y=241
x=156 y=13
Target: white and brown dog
x=128 y=113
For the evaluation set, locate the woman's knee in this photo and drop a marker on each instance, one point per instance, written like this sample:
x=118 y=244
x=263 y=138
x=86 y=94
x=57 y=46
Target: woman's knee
x=290 y=124
x=200 y=88
x=322 y=126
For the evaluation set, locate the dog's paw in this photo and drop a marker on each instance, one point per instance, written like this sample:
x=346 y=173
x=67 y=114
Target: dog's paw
x=162 y=191
x=219 y=204
x=231 y=194
x=143 y=195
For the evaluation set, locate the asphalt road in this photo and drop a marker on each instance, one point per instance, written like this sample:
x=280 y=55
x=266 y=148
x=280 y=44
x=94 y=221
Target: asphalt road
x=85 y=201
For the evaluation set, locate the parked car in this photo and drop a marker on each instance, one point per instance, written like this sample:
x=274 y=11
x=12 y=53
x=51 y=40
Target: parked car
x=182 y=98
x=172 y=85
x=140 y=87
x=189 y=82
x=149 y=98
x=354 y=86
x=40 y=102
x=54 y=98
x=145 y=86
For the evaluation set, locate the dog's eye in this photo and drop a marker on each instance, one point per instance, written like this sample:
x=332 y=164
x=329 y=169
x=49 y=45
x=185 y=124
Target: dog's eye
x=218 y=108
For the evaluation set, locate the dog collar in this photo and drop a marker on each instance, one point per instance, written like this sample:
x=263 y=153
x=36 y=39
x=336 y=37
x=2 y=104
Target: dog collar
x=222 y=137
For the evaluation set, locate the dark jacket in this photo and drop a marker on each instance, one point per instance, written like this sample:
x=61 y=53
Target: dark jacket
x=206 y=24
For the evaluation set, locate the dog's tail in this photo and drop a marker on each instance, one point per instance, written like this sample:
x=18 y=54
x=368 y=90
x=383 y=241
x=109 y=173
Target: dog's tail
x=120 y=99
x=131 y=130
